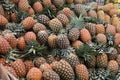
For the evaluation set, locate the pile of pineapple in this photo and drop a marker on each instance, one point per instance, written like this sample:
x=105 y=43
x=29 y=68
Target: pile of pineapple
x=59 y=40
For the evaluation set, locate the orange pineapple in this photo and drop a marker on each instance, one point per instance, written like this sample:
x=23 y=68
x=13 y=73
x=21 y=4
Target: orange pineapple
x=107 y=19
x=113 y=12
x=77 y=44
x=51 y=41
x=92 y=13
x=100 y=28
x=85 y=35
x=101 y=38
x=3 y=20
x=4 y=45
x=31 y=11
x=37 y=6
x=111 y=29
x=118 y=28
x=38 y=27
x=28 y=23
x=101 y=14
x=44 y=67
x=23 y=5
x=29 y=36
x=46 y=2
x=117 y=39
x=28 y=65
x=19 y=68
x=21 y=43
x=82 y=72
x=115 y=20
x=34 y=74
x=14 y=17
x=108 y=7
x=67 y=11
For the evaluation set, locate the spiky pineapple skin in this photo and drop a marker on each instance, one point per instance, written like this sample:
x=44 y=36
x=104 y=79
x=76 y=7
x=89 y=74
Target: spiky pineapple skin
x=43 y=19
x=72 y=59
x=55 y=25
x=4 y=45
x=38 y=7
x=91 y=63
x=102 y=60
x=111 y=30
x=101 y=38
x=30 y=36
x=19 y=68
x=23 y=5
x=34 y=74
x=42 y=37
x=3 y=20
x=11 y=39
x=73 y=34
x=38 y=27
x=113 y=67
x=39 y=61
x=82 y=72
x=100 y=28
x=50 y=75
x=28 y=23
x=63 y=18
x=51 y=40
x=85 y=35
x=64 y=70
x=21 y=43
x=62 y=41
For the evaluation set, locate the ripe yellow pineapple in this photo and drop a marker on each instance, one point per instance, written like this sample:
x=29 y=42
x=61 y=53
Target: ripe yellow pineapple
x=113 y=11
x=77 y=44
x=107 y=19
x=115 y=20
x=101 y=38
x=101 y=14
x=100 y=28
x=108 y=7
x=113 y=67
x=82 y=72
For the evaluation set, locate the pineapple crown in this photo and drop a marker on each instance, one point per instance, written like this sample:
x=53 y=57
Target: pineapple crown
x=17 y=29
x=9 y=6
x=77 y=22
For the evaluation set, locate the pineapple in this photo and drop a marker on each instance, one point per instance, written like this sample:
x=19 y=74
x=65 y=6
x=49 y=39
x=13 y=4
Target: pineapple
x=85 y=35
x=115 y=20
x=113 y=12
x=77 y=44
x=107 y=19
x=118 y=28
x=68 y=12
x=118 y=59
x=113 y=67
x=55 y=25
x=111 y=29
x=78 y=1
x=101 y=38
x=79 y=9
x=4 y=45
x=101 y=14
x=92 y=14
x=28 y=23
x=58 y=3
x=43 y=19
x=11 y=39
x=117 y=39
x=3 y=20
x=72 y=59
x=15 y=1
x=63 y=18
x=29 y=36
x=108 y=7
x=46 y=2
x=69 y=1
x=73 y=34
x=42 y=37
x=44 y=67
x=19 y=68
x=21 y=43
x=50 y=59
x=14 y=17
x=39 y=61
x=31 y=11
x=28 y=65
x=37 y=6
x=1 y=10
x=2 y=61
x=82 y=72
x=91 y=62
x=51 y=40
x=62 y=41
x=23 y=5
x=64 y=70
x=100 y=28
x=11 y=70
x=91 y=28
x=113 y=55
x=34 y=74
x=102 y=60
x=50 y=75
x=38 y=27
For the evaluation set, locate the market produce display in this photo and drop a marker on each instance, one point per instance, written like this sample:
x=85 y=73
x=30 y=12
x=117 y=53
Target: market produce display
x=59 y=40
